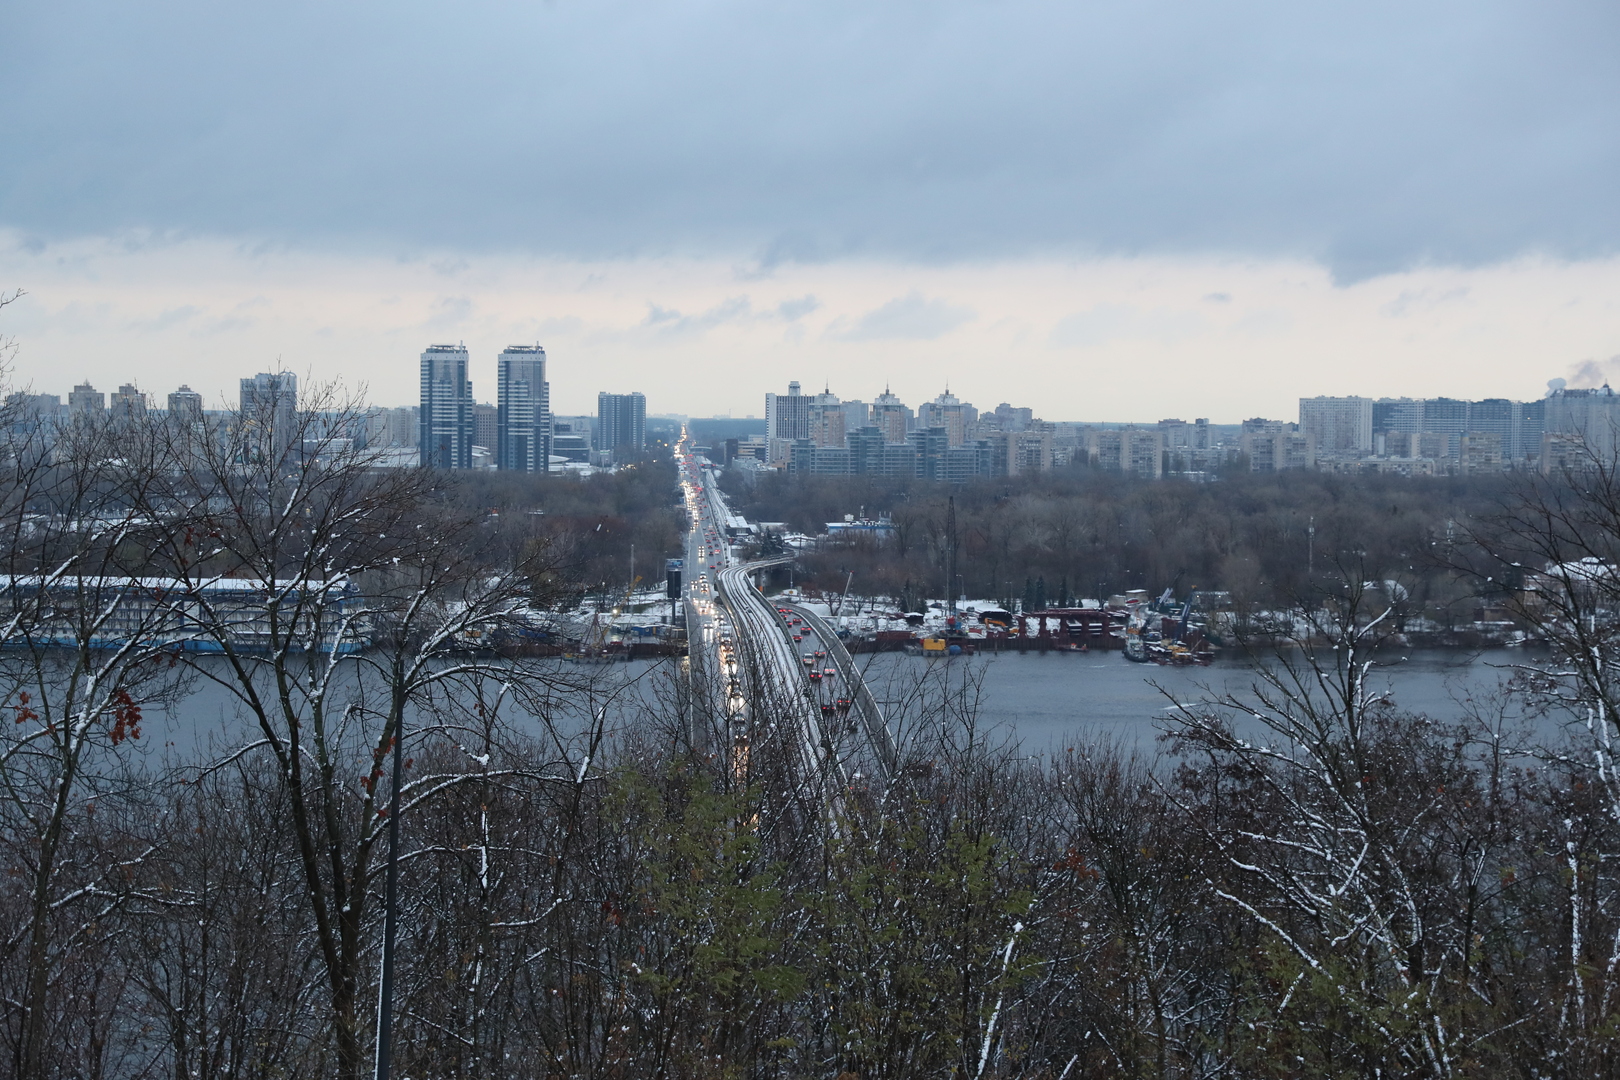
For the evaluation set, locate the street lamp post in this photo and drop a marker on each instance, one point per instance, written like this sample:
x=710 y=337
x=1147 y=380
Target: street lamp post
x=385 y=993
x=1310 y=558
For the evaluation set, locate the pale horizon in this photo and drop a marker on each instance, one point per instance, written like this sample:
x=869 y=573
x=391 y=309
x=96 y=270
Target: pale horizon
x=1089 y=341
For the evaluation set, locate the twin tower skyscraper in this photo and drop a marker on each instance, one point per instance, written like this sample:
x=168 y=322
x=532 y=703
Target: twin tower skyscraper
x=523 y=410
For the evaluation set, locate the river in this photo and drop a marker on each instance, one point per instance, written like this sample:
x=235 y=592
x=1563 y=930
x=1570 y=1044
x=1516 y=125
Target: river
x=1040 y=700
x=1045 y=700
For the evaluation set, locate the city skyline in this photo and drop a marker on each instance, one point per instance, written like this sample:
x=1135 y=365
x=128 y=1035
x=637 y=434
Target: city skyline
x=191 y=400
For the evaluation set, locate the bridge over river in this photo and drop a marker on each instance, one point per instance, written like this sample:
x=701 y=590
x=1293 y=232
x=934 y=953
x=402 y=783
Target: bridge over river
x=768 y=670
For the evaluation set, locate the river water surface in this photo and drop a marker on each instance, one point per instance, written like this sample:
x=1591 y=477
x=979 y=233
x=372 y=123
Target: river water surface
x=1040 y=700
x=1052 y=699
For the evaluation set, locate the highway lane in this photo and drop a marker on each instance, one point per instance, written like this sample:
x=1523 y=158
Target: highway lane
x=779 y=678
x=730 y=625
x=711 y=649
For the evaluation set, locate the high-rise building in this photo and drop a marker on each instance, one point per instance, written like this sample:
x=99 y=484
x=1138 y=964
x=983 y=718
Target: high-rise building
x=571 y=439
x=1130 y=450
x=392 y=427
x=1591 y=416
x=185 y=405
x=1342 y=425
x=128 y=403
x=857 y=414
x=268 y=412
x=1275 y=445
x=485 y=428
x=949 y=412
x=890 y=416
x=787 y=416
x=865 y=450
x=1176 y=434
x=1012 y=419
x=621 y=423
x=445 y=422
x=86 y=400
x=1516 y=424
x=30 y=410
x=524 y=436
x=826 y=420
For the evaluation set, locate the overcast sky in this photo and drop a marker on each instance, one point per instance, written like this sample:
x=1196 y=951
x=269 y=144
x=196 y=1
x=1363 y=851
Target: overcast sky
x=1246 y=201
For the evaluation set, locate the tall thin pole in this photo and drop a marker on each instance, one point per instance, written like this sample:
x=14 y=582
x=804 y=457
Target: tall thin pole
x=385 y=994
x=1310 y=557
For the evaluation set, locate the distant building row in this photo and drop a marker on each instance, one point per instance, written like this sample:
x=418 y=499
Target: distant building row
x=948 y=439
x=945 y=439
x=1449 y=435
x=448 y=429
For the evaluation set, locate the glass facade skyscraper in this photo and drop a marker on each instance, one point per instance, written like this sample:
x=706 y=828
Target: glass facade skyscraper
x=445 y=422
x=621 y=422
x=523 y=420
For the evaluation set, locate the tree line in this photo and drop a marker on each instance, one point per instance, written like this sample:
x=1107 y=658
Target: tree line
x=1079 y=532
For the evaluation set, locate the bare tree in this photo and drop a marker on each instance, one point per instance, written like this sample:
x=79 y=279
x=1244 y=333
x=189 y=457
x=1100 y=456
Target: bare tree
x=334 y=601
x=87 y=648
x=1362 y=840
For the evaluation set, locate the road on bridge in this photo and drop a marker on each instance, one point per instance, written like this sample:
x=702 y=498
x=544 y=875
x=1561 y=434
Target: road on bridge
x=746 y=652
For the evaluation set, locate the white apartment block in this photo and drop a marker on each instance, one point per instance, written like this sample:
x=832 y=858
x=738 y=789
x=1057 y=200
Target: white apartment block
x=1341 y=425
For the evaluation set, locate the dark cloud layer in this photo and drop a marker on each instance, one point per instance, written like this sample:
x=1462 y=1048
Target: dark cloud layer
x=1373 y=135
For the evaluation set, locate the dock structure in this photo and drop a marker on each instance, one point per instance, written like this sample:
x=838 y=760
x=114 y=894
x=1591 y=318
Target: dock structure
x=1069 y=628
x=206 y=615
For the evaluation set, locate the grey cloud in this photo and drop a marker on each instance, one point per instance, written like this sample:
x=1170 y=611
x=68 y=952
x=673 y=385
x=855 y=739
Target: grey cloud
x=1373 y=136
x=793 y=310
x=913 y=316
x=1110 y=322
x=672 y=323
